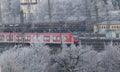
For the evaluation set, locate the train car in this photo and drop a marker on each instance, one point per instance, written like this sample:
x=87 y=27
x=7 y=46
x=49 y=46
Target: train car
x=47 y=38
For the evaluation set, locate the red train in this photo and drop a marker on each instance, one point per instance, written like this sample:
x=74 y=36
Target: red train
x=50 y=38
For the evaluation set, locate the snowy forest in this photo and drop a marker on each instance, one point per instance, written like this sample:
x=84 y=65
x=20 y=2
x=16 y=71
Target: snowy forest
x=61 y=10
x=38 y=58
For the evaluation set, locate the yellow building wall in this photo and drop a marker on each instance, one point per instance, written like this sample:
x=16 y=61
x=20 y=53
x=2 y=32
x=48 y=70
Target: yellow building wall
x=33 y=0
x=26 y=7
x=95 y=29
x=103 y=26
x=25 y=1
x=115 y=26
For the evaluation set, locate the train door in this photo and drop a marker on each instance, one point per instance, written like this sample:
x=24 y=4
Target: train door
x=46 y=38
x=19 y=37
x=9 y=37
x=57 y=38
x=40 y=39
x=67 y=38
x=2 y=38
x=27 y=38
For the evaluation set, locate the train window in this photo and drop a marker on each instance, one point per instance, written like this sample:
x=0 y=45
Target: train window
x=58 y=38
x=25 y=37
x=1 y=36
x=7 y=37
x=54 y=38
x=46 y=37
x=28 y=37
x=75 y=37
x=18 y=37
x=65 y=37
x=102 y=27
x=10 y=37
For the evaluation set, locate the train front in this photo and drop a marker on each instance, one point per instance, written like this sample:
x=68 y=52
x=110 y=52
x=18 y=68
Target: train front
x=76 y=38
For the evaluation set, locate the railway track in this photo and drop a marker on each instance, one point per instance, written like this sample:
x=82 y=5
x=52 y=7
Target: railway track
x=99 y=44
x=100 y=41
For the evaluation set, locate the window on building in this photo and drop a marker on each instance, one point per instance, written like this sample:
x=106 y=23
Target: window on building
x=117 y=27
x=104 y=27
x=33 y=1
x=112 y=27
x=117 y=35
x=25 y=2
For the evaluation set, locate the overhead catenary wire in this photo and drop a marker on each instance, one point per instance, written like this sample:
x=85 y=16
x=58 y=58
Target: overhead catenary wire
x=0 y=14
x=49 y=14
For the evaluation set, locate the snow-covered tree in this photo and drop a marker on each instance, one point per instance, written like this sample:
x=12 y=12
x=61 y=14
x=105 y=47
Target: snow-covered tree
x=71 y=59
x=26 y=59
x=110 y=60
x=10 y=10
x=41 y=12
x=75 y=59
x=62 y=10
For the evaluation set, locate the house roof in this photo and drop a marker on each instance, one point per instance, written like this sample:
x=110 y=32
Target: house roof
x=110 y=22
